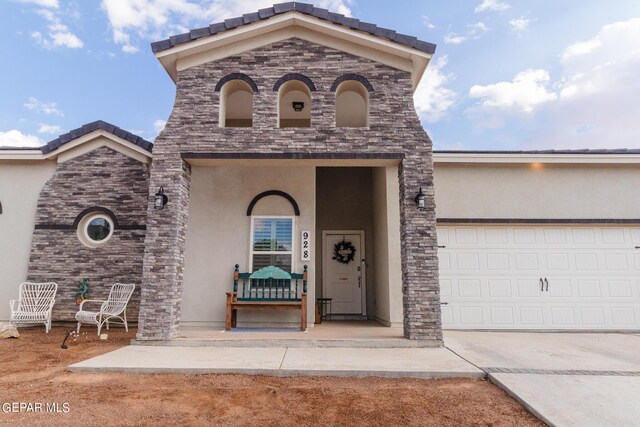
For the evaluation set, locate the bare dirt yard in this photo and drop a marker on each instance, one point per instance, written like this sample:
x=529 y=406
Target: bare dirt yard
x=33 y=370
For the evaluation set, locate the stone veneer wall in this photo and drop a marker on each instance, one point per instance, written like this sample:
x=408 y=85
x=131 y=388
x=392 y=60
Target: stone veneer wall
x=104 y=178
x=193 y=127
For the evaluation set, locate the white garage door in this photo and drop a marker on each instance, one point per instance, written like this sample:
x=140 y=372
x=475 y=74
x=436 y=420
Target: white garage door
x=540 y=277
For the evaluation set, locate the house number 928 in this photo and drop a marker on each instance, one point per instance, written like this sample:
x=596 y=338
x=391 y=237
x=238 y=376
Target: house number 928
x=305 y=246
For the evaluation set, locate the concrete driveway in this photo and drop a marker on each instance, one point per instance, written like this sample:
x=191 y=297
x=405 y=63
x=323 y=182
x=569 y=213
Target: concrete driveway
x=566 y=379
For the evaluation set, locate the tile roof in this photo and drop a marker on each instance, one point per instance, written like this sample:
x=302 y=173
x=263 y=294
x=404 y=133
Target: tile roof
x=574 y=151
x=304 y=8
x=93 y=126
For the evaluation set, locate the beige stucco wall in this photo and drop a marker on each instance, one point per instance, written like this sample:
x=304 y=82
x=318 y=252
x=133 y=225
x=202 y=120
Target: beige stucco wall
x=20 y=185
x=388 y=268
x=537 y=191
x=218 y=237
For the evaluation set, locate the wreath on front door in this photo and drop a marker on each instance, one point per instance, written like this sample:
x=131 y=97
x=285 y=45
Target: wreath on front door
x=344 y=252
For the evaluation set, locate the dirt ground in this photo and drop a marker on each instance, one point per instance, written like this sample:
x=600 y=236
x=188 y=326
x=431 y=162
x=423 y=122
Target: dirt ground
x=32 y=369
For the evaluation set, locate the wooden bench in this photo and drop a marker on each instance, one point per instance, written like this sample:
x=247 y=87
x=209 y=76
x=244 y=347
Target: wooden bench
x=269 y=288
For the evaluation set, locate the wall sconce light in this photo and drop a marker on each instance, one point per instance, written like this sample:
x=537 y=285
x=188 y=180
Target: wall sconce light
x=161 y=199
x=298 y=106
x=421 y=201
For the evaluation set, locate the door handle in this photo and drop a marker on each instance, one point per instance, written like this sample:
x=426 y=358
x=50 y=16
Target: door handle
x=441 y=246
x=541 y=285
x=545 y=279
x=359 y=281
x=637 y=247
x=444 y=303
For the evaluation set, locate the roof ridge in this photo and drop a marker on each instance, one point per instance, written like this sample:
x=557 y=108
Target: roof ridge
x=304 y=8
x=54 y=144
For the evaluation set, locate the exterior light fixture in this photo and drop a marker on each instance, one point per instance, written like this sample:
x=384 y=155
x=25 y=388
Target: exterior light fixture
x=298 y=106
x=161 y=199
x=421 y=201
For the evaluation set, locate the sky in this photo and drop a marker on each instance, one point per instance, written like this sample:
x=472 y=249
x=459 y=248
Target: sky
x=506 y=75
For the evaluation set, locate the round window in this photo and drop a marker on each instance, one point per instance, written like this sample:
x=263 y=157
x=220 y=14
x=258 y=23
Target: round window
x=95 y=229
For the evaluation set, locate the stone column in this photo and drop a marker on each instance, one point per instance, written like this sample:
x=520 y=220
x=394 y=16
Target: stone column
x=419 y=249
x=164 y=250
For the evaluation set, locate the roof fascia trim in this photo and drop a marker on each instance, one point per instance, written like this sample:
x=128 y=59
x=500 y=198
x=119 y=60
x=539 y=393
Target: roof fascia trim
x=516 y=158
x=170 y=57
x=63 y=153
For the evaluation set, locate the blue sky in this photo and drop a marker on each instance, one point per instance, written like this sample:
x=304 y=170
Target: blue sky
x=507 y=74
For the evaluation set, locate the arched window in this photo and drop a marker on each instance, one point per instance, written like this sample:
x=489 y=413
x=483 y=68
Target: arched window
x=294 y=105
x=352 y=104
x=236 y=105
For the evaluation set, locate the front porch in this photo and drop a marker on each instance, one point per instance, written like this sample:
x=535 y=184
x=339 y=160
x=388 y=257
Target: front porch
x=293 y=214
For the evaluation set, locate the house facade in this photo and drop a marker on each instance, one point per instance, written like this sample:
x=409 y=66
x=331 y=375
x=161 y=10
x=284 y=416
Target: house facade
x=294 y=136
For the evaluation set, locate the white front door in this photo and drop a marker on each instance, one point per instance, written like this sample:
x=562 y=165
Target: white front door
x=342 y=282
x=540 y=277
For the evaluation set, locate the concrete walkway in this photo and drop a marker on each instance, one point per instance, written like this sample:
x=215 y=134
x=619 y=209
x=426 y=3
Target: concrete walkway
x=357 y=362
x=566 y=379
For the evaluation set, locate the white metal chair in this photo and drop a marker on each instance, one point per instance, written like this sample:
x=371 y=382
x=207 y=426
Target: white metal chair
x=34 y=304
x=115 y=307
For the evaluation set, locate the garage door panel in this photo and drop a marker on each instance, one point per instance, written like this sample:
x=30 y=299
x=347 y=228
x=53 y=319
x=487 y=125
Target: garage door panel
x=587 y=261
x=527 y=261
x=498 y=261
x=471 y=315
x=620 y=288
x=613 y=236
x=554 y=236
x=501 y=315
x=467 y=261
x=494 y=283
x=524 y=236
x=561 y=288
x=562 y=316
x=557 y=262
x=589 y=288
x=532 y=315
x=528 y=288
x=624 y=316
x=499 y=288
x=583 y=236
x=592 y=316
x=616 y=261
x=496 y=236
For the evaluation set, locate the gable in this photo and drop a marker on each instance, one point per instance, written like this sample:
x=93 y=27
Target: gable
x=82 y=140
x=294 y=20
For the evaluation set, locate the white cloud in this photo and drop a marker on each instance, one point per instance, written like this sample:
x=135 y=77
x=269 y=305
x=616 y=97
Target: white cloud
x=15 y=138
x=159 y=125
x=593 y=105
x=519 y=25
x=127 y=48
x=433 y=98
x=477 y=28
x=49 y=129
x=53 y=4
x=43 y=107
x=453 y=38
x=58 y=34
x=607 y=63
x=599 y=91
x=427 y=23
x=527 y=90
x=493 y=5
x=157 y=19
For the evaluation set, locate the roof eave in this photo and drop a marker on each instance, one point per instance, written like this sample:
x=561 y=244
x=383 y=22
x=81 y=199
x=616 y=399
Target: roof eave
x=169 y=57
